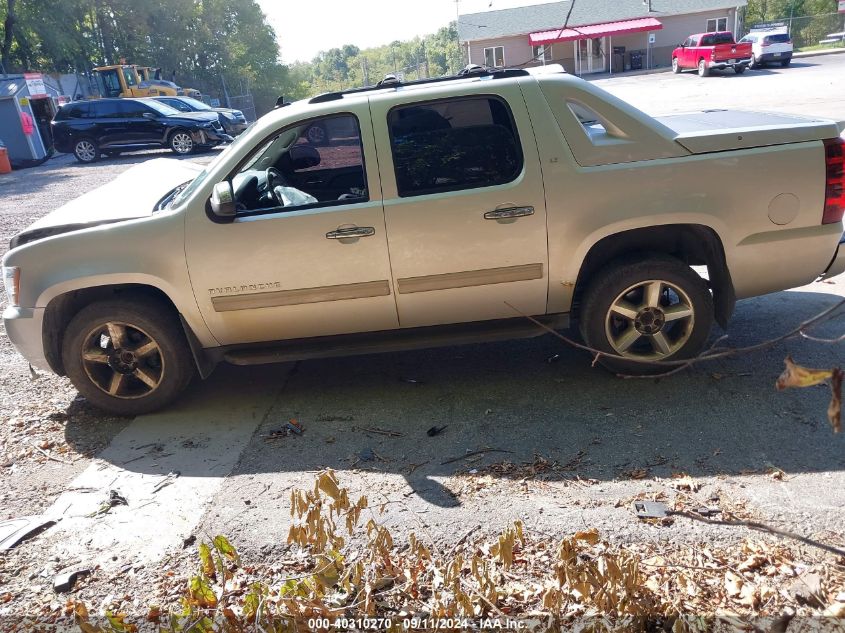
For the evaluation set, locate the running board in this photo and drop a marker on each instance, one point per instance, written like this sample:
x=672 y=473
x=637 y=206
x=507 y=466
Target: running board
x=388 y=341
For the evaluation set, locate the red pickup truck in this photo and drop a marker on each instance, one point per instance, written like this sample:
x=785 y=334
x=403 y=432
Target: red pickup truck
x=706 y=51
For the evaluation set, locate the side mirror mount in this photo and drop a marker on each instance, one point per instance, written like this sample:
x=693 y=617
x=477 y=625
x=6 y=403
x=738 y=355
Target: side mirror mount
x=223 y=200
x=149 y=115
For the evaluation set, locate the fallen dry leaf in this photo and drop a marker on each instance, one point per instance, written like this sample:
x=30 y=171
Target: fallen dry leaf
x=797 y=376
x=834 y=409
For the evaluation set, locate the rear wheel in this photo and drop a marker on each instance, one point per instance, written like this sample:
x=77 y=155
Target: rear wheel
x=127 y=357
x=86 y=150
x=676 y=67
x=652 y=309
x=703 y=68
x=739 y=69
x=181 y=142
x=785 y=62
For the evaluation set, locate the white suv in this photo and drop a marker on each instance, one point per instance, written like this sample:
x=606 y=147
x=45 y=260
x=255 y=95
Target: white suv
x=769 y=46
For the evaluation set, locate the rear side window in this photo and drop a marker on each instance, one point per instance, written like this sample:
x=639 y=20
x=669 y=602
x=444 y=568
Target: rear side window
x=104 y=109
x=777 y=38
x=452 y=145
x=72 y=111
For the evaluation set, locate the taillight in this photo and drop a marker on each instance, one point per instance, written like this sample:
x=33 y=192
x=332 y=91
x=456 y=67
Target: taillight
x=834 y=190
x=713 y=55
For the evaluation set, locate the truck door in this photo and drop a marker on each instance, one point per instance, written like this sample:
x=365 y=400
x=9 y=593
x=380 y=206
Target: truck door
x=307 y=253
x=464 y=206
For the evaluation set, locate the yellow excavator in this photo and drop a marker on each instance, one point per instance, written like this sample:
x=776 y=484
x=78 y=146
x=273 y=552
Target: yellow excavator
x=129 y=80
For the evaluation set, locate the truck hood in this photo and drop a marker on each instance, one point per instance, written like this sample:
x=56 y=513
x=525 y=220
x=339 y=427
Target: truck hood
x=133 y=194
x=723 y=130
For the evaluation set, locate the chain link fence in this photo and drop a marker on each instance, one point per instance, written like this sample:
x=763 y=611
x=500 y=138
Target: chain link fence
x=814 y=31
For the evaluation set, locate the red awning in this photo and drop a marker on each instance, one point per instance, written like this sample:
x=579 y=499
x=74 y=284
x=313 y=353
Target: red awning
x=594 y=30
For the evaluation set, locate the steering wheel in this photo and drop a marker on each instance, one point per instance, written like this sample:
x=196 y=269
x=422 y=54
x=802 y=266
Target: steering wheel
x=273 y=177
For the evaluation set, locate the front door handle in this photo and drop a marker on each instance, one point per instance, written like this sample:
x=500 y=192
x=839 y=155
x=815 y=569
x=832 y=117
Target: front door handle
x=509 y=212
x=351 y=231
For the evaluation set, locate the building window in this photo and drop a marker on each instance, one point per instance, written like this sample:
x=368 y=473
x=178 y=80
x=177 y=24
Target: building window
x=541 y=53
x=452 y=145
x=717 y=24
x=494 y=57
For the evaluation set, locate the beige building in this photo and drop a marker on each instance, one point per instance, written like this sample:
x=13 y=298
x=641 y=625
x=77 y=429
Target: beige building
x=601 y=35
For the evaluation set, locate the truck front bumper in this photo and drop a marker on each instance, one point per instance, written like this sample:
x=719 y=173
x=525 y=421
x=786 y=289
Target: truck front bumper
x=24 y=329
x=837 y=264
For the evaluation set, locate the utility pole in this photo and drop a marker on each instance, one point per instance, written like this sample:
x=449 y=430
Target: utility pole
x=458 y=34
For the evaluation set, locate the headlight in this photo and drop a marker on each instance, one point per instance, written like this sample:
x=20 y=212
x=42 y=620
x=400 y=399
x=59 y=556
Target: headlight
x=12 y=282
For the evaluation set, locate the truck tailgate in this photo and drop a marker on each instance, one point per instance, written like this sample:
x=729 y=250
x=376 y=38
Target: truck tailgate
x=725 y=52
x=723 y=130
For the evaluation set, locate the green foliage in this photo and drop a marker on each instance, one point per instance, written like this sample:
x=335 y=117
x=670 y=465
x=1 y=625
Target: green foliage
x=216 y=46
x=811 y=20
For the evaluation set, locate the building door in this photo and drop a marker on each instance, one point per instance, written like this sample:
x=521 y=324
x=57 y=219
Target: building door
x=591 y=55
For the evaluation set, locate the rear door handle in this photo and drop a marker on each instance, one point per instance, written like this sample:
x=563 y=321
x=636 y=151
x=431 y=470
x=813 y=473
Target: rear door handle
x=352 y=231
x=509 y=212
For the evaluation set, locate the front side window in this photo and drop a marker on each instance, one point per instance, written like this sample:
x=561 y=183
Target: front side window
x=294 y=168
x=175 y=103
x=132 y=109
x=494 y=57
x=452 y=145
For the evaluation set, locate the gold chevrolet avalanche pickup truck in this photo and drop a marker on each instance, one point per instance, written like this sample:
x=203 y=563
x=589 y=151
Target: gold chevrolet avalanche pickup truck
x=420 y=214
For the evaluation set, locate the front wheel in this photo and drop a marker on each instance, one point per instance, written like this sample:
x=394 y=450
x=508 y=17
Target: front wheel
x=703 y=68
x=676 y=67
x=181 y=142
x=648 y=310
x=127 y=357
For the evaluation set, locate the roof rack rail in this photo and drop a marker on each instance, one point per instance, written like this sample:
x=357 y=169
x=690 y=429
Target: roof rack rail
x=391 y=81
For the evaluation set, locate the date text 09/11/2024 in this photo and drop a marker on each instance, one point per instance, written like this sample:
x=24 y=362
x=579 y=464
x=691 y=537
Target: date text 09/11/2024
x=416 y=623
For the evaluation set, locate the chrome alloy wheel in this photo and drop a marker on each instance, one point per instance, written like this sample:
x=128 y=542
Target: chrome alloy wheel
x=85 y=151
x=651 y=320
x=122 y=360
x=182 y=143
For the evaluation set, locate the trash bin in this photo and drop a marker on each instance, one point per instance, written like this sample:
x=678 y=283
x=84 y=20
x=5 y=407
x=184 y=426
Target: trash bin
x=5 y=166
x=618 y=59
x=636 y=58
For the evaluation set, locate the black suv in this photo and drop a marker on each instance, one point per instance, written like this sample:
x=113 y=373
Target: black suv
x=111 y=126
x=233 y=121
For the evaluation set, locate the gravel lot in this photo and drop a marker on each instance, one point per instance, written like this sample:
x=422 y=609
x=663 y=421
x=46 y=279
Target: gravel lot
x=573 y=445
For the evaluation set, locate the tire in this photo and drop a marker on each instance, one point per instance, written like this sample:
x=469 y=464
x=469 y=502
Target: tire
x=703 y=68
x=181 y=142
x=754 y=64
x=676 y=67
x=785 y=62
x=739 y=69
x=316 y=134
x=643 y=332
x=150 y=367
x=85 y=150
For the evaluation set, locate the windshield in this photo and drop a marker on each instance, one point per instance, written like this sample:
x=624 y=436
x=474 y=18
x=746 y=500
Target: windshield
x=161 y=108
x=196 y=103
x=203 y=175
